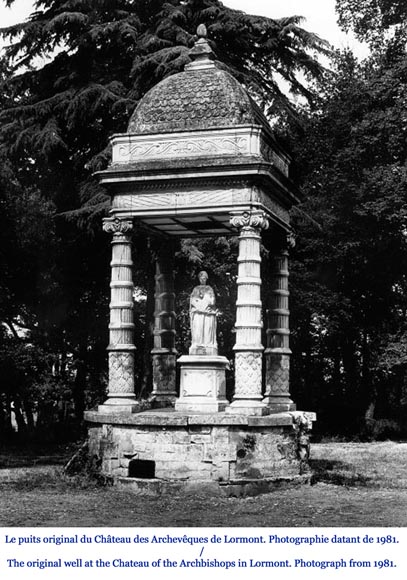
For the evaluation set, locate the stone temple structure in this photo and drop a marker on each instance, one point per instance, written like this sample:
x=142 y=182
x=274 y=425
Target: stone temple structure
x=199 y=159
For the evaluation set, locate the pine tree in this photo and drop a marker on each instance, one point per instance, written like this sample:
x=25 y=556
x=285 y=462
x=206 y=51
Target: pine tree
x=97 y=59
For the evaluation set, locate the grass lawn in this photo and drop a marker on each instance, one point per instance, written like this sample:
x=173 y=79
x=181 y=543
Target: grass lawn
x=354 y=484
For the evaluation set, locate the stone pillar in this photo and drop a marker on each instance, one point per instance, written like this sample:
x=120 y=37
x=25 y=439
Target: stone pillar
x=248 y=349
x=164 y=353
x=121 y=396
x=277 y=353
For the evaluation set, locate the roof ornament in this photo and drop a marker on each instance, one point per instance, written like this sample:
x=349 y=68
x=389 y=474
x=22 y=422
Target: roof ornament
x=202 y=31
x=201 y=53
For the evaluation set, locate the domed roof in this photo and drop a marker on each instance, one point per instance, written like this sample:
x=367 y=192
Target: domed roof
x=201 y=97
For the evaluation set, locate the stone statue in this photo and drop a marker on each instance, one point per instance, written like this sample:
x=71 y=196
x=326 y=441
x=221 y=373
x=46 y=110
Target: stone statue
x=203 y=315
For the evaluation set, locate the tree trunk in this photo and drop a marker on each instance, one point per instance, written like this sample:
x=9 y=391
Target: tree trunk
x=8 y=425
x=30 y=417
x=368 y=393
x=21 y=424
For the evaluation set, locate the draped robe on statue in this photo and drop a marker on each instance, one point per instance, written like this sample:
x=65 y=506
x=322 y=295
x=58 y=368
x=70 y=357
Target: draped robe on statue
x=203 y=321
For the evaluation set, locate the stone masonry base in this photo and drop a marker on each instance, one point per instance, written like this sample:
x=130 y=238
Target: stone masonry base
x=217 y=452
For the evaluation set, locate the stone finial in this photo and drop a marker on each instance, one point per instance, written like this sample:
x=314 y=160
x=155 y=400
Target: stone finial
x=202 y=31
x=201 y=53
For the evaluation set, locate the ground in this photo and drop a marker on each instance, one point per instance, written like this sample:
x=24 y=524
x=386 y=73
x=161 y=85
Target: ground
x=354 y=484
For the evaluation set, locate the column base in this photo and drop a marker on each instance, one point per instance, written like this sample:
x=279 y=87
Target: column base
x=248 y=407
x=279 y=404
x=120 y=405
x=162 y=400
x=203 y=351
x=203 y=384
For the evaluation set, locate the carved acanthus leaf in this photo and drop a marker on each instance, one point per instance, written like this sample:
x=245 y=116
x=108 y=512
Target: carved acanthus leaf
x=291 y=240
x=250 y=220
x=117 y=226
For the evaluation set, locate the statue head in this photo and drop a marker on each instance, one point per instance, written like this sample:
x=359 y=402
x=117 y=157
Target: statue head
x=203 y=277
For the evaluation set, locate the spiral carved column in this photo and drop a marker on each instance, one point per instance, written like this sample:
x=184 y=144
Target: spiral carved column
x=249 y=349
x=164 y=353
x=277 y=353
x=121 y=396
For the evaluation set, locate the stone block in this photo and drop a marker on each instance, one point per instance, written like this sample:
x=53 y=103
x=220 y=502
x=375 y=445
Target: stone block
x=144 y=487
x=207 y=453
x=199 y=474
x=117 y=409
x=221 y=471
x=221 y=434
x=204 y=438
x=113 y=464
x=121 y=471
x=124 y=463
x=221 y=419
x=146 y=452
x=224 y=453
x=199 y=427
x=277 y=420
x=107 y=431
x=202 y=384
x=175 y=470
x=179 y=436
x=160 y=418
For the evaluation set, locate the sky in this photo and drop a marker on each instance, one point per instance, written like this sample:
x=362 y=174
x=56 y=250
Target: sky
x=320 y=17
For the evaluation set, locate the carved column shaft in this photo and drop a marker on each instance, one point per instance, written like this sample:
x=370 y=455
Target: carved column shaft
x=277 y=354
x=164 y=353
x=121 y=327
x=248 y=349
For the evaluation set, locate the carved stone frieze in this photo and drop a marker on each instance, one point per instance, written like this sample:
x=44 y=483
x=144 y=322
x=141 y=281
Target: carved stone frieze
x=188 y=199
x=276 y=208
x=128 y=151
x=272 y=156
x=185 y=185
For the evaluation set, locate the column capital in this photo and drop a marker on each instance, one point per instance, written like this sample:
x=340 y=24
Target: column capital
x=254 y=219
x=117 y=226
x=291 y=240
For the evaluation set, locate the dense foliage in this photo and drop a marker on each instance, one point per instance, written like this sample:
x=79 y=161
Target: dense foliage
x=372 y=20
x=351 y=260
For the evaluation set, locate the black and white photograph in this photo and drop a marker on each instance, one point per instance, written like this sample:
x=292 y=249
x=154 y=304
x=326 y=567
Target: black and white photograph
x=203 y=288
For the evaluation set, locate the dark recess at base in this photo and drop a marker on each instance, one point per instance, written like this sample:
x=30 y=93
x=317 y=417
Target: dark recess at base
x=142 y=468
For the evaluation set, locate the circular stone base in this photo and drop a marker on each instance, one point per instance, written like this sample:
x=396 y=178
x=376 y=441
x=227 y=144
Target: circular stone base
x=230 y=454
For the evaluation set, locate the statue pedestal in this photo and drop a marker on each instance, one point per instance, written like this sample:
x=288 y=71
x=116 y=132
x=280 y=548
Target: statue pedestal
x=202 y=384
